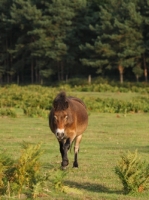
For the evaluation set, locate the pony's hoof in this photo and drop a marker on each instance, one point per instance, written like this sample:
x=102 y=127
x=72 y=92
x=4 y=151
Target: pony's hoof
x=75 y=165
x=64 y=167
x=75 y=168
x=64 y=164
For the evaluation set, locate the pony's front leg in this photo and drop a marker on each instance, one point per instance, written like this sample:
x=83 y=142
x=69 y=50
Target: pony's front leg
x=76 y=150
x=64 y=147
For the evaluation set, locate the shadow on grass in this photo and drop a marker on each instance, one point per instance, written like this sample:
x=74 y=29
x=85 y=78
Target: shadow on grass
x=143 y=149
x=92 y=187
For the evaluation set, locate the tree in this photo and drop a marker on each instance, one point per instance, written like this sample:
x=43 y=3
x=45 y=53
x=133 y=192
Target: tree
x=119 y=40
x=79 y=34
x=137 y=70
x=51 y=33
x=23 y=16
x=61 y=38
x=144 y=10
x=6 y=41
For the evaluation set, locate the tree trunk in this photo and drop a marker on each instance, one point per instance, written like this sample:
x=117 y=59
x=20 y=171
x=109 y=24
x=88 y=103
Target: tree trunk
x=32 y=71
x=145 y=69
x=137 y=78
x=37 y=76
x=1 y=78
x=89 y=79
x=66 y=77
x=62 y=71
x=22 y=73
x=8 y=79
x=18 y=79
x=121 y=70
x=6 y=62
x=40 y=79
x=145 y=74
x=58 y=71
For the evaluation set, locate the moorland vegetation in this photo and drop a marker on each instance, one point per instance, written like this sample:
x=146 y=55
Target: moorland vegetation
x=26 y=176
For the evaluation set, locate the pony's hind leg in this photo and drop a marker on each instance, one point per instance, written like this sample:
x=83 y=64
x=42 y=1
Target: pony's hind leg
x=76 y=150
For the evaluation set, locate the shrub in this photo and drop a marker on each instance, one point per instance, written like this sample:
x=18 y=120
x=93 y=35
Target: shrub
x=36 y=101
x=6 y=171
x=35 y=112
x=22 y=176
x=58 y=180
x=133 y=173
x=7 y=112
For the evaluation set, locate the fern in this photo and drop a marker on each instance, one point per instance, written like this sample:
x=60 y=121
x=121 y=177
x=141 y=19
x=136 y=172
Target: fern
x=58 y=180
x=23 y=175
x=133 y=172
x=6 y=171
x=28 y=167
x=8 y=112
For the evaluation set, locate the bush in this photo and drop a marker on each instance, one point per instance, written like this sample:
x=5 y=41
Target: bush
x=133 y=173
x=35 y=112
x=58 y=179
x=7 y=112
x=22 y=176
x=36 y=101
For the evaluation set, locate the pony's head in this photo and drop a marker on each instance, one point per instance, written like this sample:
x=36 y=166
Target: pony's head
x=60 y=105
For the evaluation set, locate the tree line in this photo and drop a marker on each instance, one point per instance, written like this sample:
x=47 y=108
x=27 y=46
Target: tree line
x=60 y=39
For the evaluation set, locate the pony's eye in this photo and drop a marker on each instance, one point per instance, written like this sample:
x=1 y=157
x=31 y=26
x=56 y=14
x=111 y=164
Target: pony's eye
x=66 y=117
x=55 y=118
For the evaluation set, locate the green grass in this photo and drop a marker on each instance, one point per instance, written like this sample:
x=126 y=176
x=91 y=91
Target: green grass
x=106 y=137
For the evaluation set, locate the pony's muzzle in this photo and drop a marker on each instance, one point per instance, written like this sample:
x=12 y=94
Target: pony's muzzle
x=60 y=134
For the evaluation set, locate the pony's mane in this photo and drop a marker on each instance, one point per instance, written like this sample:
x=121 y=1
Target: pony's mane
x=60 y=102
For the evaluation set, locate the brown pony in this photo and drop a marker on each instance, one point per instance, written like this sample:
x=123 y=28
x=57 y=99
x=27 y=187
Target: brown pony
x=68 y=120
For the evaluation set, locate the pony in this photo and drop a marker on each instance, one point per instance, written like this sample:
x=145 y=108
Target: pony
x=68 y=119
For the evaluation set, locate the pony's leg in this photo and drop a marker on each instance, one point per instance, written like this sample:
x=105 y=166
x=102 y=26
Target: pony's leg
x=76 y=150
x=64 y=147
x=61 y=144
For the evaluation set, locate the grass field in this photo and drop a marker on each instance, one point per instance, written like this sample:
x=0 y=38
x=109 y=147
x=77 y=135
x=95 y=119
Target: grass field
x=106 y=137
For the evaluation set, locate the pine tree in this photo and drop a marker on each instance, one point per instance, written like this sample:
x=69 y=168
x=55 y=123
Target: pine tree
x=51 y=32
x=144 y=10
x=6 y=41
x=23 y=16
x=119 y=39
x=79 y=34
x=42 y=38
